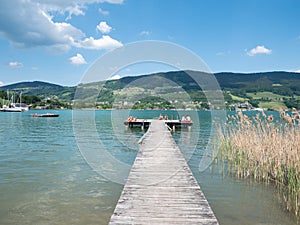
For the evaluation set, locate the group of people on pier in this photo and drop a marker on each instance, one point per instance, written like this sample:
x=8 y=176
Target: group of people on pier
x=131 y=119
x=186 y=118
x=161 y=117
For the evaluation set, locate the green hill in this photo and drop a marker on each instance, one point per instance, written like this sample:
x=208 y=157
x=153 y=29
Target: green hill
x=270 y=89
x=287 y=82
x=42 y=90
x=31 y=85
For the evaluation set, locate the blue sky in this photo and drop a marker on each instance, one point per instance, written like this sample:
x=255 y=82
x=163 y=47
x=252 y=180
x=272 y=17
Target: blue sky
x=57 y=41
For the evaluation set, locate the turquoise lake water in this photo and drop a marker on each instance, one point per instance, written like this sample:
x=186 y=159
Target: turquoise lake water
x=44 y=179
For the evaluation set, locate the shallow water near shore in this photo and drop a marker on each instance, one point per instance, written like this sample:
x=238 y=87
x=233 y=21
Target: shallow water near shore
x=45 y=180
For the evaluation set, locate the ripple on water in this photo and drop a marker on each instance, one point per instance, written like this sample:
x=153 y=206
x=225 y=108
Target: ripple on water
x=44 y=179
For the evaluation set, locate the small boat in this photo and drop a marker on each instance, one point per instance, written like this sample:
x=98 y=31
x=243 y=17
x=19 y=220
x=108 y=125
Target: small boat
x=45 y=115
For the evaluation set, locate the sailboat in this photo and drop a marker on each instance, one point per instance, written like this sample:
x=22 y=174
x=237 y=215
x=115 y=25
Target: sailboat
x=13 y=106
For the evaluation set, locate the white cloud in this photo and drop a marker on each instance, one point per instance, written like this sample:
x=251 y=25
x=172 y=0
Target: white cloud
x=113 y=1
x=103 y=12
x=106 y=42
x=77 y=59
x=115 y=77
x=30 y=24
x=1 y=83
x=297 y=71
x=72 y=7
x=145 y=33
x=260 y=49
x=15 y=64
x=103 y=27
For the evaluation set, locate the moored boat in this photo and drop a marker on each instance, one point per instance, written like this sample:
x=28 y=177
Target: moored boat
x=12 y=106
x=45 y=115
x=12 y=109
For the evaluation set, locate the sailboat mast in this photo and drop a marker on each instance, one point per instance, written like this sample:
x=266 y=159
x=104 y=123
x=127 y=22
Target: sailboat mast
x=8 y=100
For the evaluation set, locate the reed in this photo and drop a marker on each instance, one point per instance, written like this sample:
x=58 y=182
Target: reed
x=265 y=150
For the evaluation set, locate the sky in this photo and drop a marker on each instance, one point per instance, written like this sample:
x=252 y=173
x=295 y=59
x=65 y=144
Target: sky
x=57 y=41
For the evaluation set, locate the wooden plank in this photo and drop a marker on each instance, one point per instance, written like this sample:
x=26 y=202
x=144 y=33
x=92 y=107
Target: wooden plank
x=161 y=188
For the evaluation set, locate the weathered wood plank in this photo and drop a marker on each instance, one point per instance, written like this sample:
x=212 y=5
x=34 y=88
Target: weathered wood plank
x=161 y=188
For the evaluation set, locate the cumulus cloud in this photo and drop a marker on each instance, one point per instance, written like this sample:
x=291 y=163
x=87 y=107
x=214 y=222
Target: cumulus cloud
x=297 y=71
x=26 y=25
x=30 y=24
x=104 y=27
x=72 y=7
x=78 y=59
x=106 y=42
x=260 y=49
x=1 y=83
x=115 y=77
x=15 y=64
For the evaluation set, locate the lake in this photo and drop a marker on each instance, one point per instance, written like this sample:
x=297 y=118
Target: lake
x=45 y=179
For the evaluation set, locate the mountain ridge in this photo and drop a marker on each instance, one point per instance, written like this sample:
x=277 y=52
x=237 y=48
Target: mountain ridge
x=28 y=84
x=219 y=76
x=280 y=87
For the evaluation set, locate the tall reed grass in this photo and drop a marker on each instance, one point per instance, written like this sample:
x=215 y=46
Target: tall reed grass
x=266 y=150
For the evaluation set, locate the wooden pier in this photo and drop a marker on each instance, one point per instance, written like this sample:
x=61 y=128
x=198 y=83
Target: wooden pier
x=161 y=188
x=145 y=123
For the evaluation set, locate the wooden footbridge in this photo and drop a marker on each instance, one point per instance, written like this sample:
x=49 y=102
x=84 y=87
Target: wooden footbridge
x=145 y=123
x=161 y=188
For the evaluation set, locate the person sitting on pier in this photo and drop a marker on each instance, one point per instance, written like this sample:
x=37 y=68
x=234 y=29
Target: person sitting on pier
x=160 y=117
x=131 y=119
x=188 y=118
x=166 y=117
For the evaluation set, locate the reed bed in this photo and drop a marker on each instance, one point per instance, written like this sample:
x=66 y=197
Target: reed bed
x=265 y=150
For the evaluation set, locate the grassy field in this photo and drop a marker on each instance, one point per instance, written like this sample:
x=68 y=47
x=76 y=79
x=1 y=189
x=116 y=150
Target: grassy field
x=265 y=95
x=237 y=98
x=272 y=105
